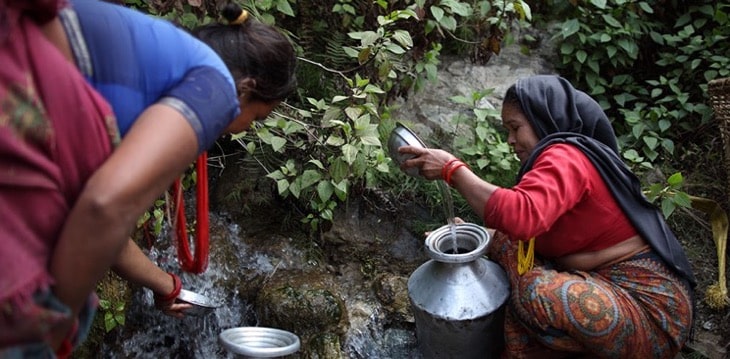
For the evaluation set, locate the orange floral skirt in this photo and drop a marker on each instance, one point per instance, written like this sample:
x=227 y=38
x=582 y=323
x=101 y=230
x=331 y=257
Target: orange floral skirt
x=637 y=308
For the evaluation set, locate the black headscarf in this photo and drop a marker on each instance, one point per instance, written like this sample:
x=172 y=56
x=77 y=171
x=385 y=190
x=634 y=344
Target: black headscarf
x=561 y=114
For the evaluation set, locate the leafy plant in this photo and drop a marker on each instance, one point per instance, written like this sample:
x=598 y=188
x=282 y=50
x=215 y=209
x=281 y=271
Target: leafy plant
x=647 y=68
x=669 y=196
x=114 y=313
x=484 y=146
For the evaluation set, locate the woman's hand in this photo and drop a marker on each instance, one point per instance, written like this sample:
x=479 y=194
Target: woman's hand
x=457 y=220
x=172 y=307
x=429 y=161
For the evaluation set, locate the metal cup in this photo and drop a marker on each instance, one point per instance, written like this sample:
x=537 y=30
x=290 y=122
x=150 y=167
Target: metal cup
x=403 y=136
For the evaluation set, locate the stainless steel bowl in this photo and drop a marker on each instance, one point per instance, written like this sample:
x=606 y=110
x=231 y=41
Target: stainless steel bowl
x=201 y=304
x=403 y=136
x=259 y=342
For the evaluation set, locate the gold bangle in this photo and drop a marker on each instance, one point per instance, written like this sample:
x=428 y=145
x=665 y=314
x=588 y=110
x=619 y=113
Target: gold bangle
x=241 y=18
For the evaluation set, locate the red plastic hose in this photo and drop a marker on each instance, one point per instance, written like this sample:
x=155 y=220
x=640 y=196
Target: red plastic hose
x=199 y=263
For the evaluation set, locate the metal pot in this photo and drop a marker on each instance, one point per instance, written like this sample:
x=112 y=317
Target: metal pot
x=403 y=136
x=458 y=296
x=259 y=342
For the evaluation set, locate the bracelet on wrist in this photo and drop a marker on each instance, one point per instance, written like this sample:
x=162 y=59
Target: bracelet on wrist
x=177 y=287
x=446 y=166
x=452 y=169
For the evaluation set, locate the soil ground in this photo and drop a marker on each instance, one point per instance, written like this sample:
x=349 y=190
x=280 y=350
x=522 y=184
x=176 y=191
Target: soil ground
x=705 y=176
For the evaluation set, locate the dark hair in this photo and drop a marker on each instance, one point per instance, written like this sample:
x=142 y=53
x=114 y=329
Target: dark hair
x=253 y=50
x=510 y=97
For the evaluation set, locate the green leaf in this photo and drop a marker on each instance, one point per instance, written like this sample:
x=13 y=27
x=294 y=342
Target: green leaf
x=295 y=188
x=395 y=48
x=437 y=12
x=612 y=21
x=601 y=4
x=675 y=179
x=109 y=322
x=276 y=175
x=448 y=22
x=351 y=51
x=309 y=177
x=459 y=8
x=567 y=48
x=341 y=189
x=334 y=140
x=284 y=7
x=349 y=153
x=682 y=199
x=364 y=55
x=403 y=37
x=277 y=143
x=664 y=125
x=668 y=207
x=353 y=112
x=338 y=169
x=120 y=319
x=569 y=28
x=651 y=142
x=325 y=190
x=647 y=9
x=282 y=186
x=317 y=163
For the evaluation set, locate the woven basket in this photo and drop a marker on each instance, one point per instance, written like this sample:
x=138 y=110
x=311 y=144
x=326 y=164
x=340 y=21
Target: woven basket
x=719 y=91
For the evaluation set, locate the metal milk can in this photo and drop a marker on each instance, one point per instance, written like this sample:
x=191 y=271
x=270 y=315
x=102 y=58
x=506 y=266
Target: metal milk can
x=458 y=296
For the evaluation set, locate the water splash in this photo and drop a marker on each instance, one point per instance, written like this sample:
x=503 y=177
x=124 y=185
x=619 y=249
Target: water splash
x=150 y=334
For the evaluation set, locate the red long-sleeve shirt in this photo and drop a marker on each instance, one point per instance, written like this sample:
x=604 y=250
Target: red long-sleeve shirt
x=563 y=202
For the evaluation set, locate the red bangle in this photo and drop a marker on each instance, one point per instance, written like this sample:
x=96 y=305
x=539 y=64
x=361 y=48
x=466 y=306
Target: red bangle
x=446 y=166
x=453 y=169
x=177 y=287
x=64 y=351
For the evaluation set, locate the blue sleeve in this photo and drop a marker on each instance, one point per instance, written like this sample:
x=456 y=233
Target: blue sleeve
x=137 y=60
x=202 y=89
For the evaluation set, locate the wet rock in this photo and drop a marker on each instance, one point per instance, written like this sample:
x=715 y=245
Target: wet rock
x=324 y=346
x=392 y=292
x=308 y=304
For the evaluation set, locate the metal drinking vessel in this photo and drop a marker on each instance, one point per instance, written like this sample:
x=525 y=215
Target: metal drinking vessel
x=403 y=136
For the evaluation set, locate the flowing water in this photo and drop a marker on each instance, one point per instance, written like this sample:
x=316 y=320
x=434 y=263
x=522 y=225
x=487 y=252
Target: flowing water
x=148 y=333
x=448 y=203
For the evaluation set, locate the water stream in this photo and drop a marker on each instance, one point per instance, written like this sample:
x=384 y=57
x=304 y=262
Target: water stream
x=448 y=203
x=148 y=333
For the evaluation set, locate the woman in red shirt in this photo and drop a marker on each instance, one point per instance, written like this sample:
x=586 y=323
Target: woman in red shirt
x=609 y=279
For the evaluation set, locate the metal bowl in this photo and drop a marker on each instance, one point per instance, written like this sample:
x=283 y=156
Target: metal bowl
x=201 y=304
x=259 y=342
x=403 y=136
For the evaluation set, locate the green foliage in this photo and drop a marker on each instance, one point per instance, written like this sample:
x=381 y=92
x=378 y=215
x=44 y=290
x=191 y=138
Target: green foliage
x=329 y=146
x=154 y=218
x=647 y=67
x=484 y=146
x=668 y=196
x=113 y=312
x=320 y=148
